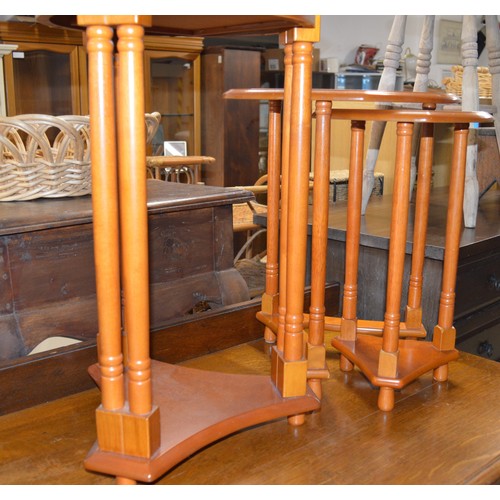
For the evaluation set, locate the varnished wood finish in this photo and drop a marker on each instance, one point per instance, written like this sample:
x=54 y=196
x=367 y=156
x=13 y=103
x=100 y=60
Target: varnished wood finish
x=44 y=377
x=388 y=345
x=446 y=432
x=137 y=432
x=315 y=341
x=393 y=365
x=349 y=95
x=191 y=25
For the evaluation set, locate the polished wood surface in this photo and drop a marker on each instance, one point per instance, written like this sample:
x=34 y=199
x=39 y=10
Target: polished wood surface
x=392 y=369
x=129 y=426
x=440 y=433
x=349 y=95
x=389 y=362
x=193 y=25
x=47 y=376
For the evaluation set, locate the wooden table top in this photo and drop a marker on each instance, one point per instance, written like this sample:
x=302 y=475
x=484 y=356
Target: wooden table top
x=438 y=433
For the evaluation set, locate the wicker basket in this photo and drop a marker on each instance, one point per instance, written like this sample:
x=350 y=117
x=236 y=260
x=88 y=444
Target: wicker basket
x=44 y=156
x=454 y=85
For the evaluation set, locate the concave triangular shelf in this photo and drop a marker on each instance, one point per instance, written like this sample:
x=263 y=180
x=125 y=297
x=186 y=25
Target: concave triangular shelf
x=416 y=357
x=198 y=407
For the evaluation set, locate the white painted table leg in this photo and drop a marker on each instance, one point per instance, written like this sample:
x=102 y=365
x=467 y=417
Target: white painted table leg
x=470 y=102
x=387 y=83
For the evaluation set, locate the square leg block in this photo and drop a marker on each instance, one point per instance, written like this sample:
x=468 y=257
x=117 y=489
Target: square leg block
x=122 y=432
x=444 y=338
x=289 y=377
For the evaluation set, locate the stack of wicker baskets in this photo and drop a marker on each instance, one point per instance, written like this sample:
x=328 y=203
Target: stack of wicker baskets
x=44 y=156
x=454 y=84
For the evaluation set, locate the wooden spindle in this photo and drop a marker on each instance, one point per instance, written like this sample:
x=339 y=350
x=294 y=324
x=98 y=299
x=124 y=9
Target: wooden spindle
x=270 y=297
x=133 y=213
x=105 y=209
x=397 y=247
x=300 y=154
x=414 y=306
x=316 y=352
x=387 y=81
x=285 y=155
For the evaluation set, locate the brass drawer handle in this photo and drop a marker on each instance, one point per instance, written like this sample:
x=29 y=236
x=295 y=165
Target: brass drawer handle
x=494 y=283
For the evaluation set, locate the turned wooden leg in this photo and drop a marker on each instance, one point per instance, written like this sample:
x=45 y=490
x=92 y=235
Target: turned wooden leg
x=414 y=307
x=386 y=399
x=388 y=357
x=348 y=324
x=270 y=297
x=124 y=481
x=106 y=222
x=316 y=352
x=297 y=208
x=285 y=161
x=470 y=102
x=354 y=193
x=392 y=57
x=444 y=332
x=421 y=84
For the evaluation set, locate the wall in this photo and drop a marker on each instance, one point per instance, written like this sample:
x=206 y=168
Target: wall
x=340 y=37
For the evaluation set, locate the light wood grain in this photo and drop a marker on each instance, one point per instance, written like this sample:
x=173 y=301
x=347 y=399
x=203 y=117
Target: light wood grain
x=348 y=442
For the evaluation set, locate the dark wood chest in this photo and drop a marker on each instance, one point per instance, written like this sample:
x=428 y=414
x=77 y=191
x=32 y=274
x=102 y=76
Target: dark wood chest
x=47 y=263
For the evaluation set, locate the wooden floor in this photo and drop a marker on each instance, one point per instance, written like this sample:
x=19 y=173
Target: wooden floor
x=437 y=434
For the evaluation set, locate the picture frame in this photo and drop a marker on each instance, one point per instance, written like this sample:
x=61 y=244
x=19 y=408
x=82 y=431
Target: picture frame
x=449 y=44
x=175 y=148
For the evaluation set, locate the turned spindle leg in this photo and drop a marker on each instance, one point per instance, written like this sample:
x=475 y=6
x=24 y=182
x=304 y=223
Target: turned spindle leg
x=444 y=332
x=388 y=357
x=392 y=59
x=470 y=102
x=421 y=84
x=285 y=155
x=270 y=297
x=291 y=363
x=105 y=209
x=316 y=351
x=414 y=307
x=348 y=323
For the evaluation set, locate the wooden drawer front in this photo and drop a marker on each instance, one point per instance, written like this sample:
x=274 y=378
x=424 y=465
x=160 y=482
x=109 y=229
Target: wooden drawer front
x=485 y=343
x=51 y=266
x=478 y=284
x=181 y=244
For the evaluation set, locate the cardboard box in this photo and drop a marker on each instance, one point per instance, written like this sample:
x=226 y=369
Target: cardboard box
x=274 y=60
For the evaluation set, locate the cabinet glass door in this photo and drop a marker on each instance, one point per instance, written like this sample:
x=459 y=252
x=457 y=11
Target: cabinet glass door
x=42 y=79
x=172 y=82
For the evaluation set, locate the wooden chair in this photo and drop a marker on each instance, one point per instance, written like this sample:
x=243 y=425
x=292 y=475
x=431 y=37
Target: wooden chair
x=177 y=168
x=154 y=415
x=243 y=217
x=469 y=94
